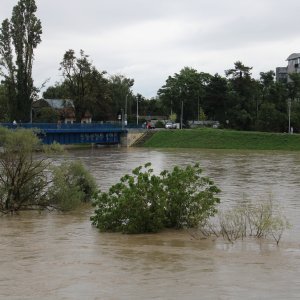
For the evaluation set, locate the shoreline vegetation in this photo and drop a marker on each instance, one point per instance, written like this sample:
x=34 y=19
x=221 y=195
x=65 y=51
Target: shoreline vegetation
x=208 y=138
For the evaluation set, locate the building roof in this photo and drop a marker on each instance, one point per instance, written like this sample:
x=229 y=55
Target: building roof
x=293 y=56
x=59 y=103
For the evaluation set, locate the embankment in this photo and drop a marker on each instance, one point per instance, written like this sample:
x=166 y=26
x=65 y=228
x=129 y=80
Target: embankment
x=224 y=139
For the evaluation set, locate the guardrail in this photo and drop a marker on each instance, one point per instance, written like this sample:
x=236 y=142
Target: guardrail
x=81 y=126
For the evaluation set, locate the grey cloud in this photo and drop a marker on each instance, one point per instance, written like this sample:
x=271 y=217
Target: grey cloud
x=271 y=23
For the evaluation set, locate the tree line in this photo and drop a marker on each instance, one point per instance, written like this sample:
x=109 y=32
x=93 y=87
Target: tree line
x=236 y=100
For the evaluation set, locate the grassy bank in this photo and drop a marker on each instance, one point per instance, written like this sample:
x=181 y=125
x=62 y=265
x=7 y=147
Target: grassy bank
x=223 y=139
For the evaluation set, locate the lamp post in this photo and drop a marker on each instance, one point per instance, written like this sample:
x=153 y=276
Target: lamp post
x=181 y=115
x=198 y=108
x=137 y=111
x=289 y=101
x=30 y=116
x=122 y=118
x=125 y=117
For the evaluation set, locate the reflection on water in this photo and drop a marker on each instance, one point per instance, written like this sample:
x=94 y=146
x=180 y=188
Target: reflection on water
x=58 y=256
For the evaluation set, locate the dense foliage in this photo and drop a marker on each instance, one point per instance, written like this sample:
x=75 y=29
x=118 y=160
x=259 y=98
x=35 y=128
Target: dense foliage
x=84 y=84
x=237 y=101
x=106 y=97
x=145 y=202
x=22 y=177
x=71 y=185
x=27 y=180
x=190 y=197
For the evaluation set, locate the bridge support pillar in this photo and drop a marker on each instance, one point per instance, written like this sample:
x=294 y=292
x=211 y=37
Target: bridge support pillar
x=127 y=139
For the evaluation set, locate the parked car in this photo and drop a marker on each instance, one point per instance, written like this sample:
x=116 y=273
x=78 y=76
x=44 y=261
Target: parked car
x=150 y=125
x=170 y=125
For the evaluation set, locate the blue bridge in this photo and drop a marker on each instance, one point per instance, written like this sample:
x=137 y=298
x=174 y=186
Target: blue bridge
x=77 y=133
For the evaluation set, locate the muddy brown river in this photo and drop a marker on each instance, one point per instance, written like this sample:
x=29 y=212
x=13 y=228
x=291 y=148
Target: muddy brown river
x=61 y=256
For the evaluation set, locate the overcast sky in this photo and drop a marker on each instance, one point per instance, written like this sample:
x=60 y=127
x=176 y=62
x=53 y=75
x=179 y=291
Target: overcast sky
x=148 y=40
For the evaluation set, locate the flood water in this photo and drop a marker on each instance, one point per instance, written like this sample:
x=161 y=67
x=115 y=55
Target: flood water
x=61 y=256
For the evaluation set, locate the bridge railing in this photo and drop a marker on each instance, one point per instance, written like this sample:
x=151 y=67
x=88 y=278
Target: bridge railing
x=81 y=126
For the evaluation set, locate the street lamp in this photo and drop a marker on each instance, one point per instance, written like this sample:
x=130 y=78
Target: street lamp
x=198 y=107
x=125 y=119
x=137 y=111
x=122 y=118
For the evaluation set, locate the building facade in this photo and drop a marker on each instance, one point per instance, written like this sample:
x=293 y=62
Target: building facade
x=282 y=73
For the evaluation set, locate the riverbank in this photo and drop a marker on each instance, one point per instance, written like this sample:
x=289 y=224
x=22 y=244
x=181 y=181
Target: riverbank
x=207 y=138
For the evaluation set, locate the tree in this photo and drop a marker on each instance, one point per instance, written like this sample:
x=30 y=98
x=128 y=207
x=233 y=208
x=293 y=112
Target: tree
x=28 y=182
x=243 y=93
x=202 y=115
x=58 y=91
x=72 y=185
x=271 y=119
x=121 y=94
x=271 y=105
x=19 y=37
x=86 y=86
x=22 y=179
x=155 y=107
x=215 y=102
x=173 y=117
x=4 y=117
x=145 y=202
x=45 y=115
x=239 y=71
x=186 y=87
x=267 y=78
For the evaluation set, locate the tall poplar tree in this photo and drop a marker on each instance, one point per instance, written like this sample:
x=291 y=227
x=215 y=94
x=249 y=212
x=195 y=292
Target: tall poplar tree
x=19 y=36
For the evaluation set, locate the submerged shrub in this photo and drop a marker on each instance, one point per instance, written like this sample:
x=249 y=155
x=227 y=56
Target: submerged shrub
x=134 y=205
x=26 y=180
x=72 y=184
x=23 y=179
x=190 y=197
x=261 y=220
x=144 y=202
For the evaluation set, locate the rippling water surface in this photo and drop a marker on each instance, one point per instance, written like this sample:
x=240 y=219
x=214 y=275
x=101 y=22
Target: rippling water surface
x=61 y=256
